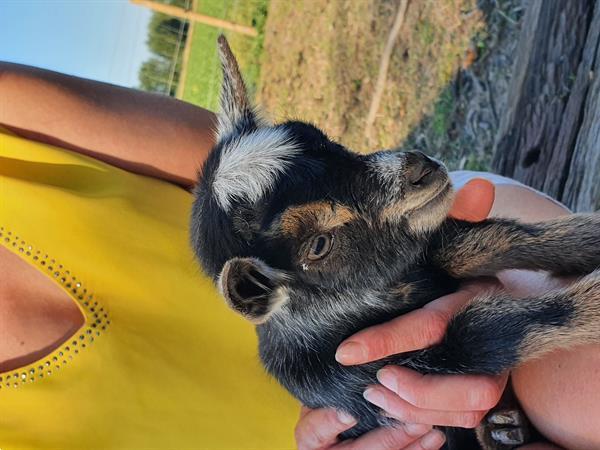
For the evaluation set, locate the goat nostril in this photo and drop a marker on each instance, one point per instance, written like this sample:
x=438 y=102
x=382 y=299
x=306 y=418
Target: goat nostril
x=420 y=175
x=420 y=167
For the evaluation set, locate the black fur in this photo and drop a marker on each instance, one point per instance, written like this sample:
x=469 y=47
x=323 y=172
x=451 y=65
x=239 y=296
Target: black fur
x=387 y=259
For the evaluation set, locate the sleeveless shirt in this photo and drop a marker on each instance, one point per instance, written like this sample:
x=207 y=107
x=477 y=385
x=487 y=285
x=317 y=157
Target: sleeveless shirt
x=160 y=361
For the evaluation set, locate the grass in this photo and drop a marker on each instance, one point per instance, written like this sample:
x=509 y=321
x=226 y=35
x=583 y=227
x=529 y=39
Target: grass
x=325 y=70
x=321 y=59
x=442 y=113
x=203 y=79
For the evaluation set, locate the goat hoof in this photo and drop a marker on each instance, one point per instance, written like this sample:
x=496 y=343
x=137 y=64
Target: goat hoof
x=508 y=436
x=506 y=417
x=503 y=429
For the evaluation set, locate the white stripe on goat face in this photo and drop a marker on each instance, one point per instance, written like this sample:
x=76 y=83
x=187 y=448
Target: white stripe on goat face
x=251 y=164
x=389 y=166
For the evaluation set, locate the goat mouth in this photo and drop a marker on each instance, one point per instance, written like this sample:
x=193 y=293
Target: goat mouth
x=423 y=176
x=431 y=199
x=440 y=194
x=433 y=211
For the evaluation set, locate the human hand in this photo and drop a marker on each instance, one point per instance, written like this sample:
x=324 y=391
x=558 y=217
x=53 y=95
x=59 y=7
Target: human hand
x=474 y=201
x=458 y=400
x=450 y=400
x=318 y=429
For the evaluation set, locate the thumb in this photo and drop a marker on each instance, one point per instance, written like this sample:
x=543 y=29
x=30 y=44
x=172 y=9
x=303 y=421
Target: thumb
x=474 y=201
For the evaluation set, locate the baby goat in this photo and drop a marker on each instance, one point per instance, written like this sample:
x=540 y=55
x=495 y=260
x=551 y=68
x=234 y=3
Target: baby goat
x=312 y=243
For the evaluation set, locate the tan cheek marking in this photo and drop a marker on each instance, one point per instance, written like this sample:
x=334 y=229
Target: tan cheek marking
x=295 y=217
x=340 y=215
x=318 y=215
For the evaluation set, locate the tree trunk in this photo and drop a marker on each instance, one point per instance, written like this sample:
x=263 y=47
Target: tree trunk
x=550 y=136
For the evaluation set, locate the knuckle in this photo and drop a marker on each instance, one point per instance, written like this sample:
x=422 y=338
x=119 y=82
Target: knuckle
x=396 y=412
x=406 y=415
x=485 y=395
x=318 y=429
x=387 y=442
x=470 y=419
x=311 y=439
x=415 y=395
x=308 y=436
x=393 y=439
x=386 y=343
x=488 y=395
x=435 y=326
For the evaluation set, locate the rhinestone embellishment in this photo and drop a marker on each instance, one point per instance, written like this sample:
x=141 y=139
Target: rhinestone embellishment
x=96 y=317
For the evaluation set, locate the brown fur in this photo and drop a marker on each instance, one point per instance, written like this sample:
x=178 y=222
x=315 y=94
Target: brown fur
x=554 y=245
x=230 y=67
x=298 y=301
x=321 y=216
x=424 y=211
x=585 y=327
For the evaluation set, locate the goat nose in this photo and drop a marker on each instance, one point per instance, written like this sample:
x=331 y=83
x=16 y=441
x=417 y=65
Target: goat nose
x=418 y=167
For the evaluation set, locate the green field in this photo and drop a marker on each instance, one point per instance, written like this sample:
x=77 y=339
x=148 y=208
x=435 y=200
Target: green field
x=203 y=70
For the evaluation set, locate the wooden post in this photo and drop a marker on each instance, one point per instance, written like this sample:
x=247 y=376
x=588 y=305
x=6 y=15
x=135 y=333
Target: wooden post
x=185 y=59
x=550 y=135
x=195 y=17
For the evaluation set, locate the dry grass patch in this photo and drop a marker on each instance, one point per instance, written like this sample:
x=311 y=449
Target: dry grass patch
x=321 y=59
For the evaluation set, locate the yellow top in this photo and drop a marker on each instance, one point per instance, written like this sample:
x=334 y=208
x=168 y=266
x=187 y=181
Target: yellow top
x=160 y=361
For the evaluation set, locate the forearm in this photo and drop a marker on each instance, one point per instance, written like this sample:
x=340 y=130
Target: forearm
x=146 y=133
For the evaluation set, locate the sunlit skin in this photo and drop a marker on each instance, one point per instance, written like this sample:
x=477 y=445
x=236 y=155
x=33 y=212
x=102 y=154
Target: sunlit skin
x=168 y=139
x=541 y=385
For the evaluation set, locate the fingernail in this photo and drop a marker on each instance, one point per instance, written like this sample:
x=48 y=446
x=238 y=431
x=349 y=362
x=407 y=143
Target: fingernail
x=388 y=379
x=432 y=440
x=416 y=429
x=345 y=418
x=350 y=353
x=375 y=397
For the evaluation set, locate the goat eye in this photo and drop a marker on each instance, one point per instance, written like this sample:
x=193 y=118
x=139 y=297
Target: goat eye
x=320 y=246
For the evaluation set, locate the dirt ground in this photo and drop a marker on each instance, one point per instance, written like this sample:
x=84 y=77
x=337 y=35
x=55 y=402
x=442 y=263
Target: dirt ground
x=446 y=83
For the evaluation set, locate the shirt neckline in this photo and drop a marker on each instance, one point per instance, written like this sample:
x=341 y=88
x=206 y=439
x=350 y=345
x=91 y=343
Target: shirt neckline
x=96 y=318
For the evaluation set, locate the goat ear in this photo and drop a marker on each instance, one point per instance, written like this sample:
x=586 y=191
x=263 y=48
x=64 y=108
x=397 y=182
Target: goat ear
x=252 y=288
x=236 y=111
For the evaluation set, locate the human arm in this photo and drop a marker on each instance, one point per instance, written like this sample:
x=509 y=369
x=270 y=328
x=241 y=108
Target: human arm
x=319 y=429
x=421 y=394
x=451 y=400
x=141 y=132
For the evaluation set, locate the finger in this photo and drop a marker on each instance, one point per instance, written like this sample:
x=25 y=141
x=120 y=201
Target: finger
x=387 y=438
x=417 y=329
x=403 y=411
x=318 y=429
x=474 y=201
x=444 y=392
x=431 y=441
